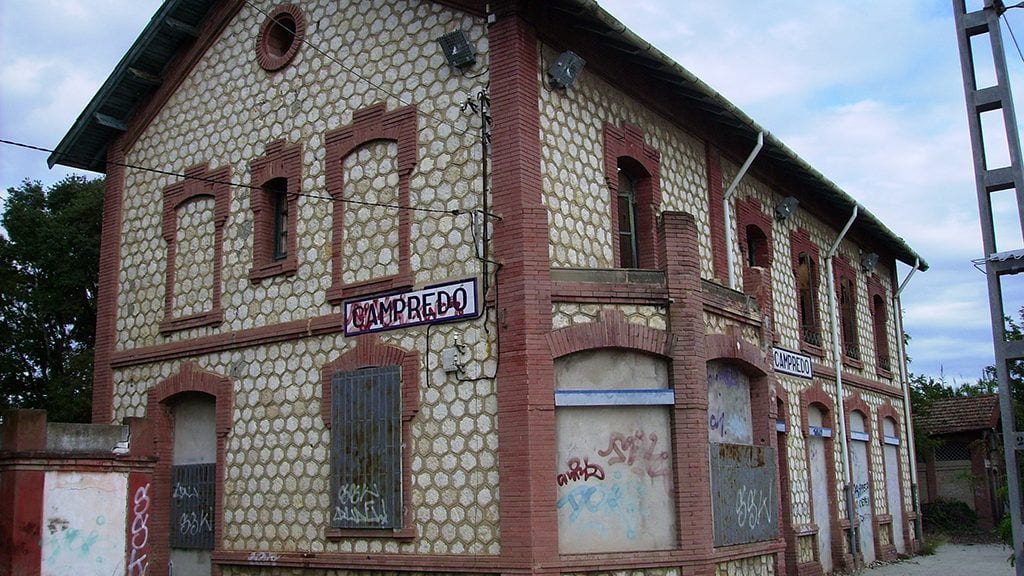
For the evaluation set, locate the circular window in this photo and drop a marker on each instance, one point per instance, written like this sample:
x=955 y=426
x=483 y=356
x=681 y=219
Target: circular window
x=280 y=37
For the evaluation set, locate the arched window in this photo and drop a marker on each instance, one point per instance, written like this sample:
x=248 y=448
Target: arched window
x=881 y=334
x=807 y=289
x=757 y=247
x=277 y=182
x=277 y=197
x=848 y=316
x=626 y=227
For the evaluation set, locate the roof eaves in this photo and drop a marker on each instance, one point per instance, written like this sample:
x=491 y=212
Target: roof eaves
x=710 y=99
x=89 y=120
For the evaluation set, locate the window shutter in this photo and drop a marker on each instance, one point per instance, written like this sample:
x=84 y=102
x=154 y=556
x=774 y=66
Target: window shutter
x=366 y=448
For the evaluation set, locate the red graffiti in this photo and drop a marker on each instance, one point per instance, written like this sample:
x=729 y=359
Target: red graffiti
x=578 y=471
x=638 y=451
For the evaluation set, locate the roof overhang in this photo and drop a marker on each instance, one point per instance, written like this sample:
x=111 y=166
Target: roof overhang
x=177 y=22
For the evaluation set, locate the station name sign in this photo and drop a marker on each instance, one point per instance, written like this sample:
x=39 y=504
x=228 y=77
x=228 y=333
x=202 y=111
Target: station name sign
x=791 y=363
x=440 y=303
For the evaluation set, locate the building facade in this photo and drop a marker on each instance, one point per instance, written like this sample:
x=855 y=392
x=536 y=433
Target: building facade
x=385 y=313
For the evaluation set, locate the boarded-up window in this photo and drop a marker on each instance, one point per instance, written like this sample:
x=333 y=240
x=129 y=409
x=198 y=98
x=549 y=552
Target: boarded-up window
x=729 y=415
x=366 y=454
x=192 y=492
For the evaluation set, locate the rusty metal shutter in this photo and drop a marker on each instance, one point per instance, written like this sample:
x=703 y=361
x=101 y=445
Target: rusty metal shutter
x=192 y=493
x=366 y=448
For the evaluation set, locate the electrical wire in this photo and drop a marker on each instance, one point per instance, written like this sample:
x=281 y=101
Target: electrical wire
x=464 y=131
x=452 y=212
x=1012 y=36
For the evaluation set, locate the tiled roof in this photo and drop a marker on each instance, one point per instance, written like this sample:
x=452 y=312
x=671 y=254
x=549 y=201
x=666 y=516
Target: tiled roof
x=950 y=415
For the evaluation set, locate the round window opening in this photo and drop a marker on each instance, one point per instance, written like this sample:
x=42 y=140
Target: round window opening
x=280 y=37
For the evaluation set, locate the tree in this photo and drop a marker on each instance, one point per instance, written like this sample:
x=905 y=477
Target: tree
x=49 y=269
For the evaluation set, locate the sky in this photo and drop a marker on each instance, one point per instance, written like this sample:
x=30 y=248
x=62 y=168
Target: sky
x=869 y=92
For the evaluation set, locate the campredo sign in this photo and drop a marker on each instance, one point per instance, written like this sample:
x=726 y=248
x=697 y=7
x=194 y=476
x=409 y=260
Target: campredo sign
x=791 y=363
x=440 y=303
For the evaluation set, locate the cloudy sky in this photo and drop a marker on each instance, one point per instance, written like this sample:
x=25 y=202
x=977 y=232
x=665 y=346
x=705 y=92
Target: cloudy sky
x=867 y=91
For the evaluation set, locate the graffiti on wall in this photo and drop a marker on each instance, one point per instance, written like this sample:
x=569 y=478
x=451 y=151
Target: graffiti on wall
x=744 y=498
x=640 y=452
x=138 y=558
x=82 y=535
x=580 y=472
x=360 y=503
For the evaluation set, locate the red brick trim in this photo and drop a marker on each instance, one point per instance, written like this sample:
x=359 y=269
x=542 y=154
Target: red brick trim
x=159 y=409
x=879 y=330
x=610 y=331
x=855 y=403
x=680 y=254
x=815 y=395
x=527 y=509
x=368 y=353
x=716 y=211
x=757 y=281
x=370 y=124
x=750 y=212
x=279 y=161
x=785 y=563
x=109 y=286
x=626 y=146
x=199 y=181
x=752 y=361
x=859 y=382
x=889 y=411
x=842 y=270
x=21 y=493
x=272 y=58
x=601 y=293
x=800 y=242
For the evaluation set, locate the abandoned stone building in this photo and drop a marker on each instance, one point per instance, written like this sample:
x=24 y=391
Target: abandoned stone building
x=415 y=286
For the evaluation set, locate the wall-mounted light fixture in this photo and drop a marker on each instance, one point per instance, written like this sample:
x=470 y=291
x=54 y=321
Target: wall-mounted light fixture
x=785 y=209
x=565 y=69
x=868 y=262
x=457 y=49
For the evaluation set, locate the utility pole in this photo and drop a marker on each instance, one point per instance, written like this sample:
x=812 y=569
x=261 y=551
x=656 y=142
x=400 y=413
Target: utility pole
x=1005 y=262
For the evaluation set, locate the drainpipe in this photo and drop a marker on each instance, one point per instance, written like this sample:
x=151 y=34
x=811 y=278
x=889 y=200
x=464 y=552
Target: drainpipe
x=901 y=352
x=727 y=200
x=837 y=356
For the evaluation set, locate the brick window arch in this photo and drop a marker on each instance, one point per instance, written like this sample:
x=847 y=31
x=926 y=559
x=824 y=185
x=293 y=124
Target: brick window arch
x=368 y=125
x=807 y=274
x=626 y=154
x=200 y=183
x=276 y=182
x=280 y=37
x=846 y=297
x=879 y=327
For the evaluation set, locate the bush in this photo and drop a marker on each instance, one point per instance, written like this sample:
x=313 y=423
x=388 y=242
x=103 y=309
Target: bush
x=948 y=517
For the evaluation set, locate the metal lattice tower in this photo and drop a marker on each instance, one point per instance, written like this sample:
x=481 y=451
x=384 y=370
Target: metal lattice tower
x=998 y=264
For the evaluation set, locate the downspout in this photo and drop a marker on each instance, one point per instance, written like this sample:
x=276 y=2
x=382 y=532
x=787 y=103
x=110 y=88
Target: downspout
x=837 y=355
x=915 y=497
x=726 y=200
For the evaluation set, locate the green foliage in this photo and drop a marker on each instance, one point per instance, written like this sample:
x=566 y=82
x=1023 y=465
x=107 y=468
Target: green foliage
x=931 y=543
x=948 y=517
x=49 y=269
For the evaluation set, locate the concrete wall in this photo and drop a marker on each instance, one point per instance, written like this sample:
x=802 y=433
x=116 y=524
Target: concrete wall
x=84 y=528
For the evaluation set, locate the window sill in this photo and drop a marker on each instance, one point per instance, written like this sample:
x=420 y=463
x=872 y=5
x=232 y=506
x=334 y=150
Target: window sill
x=340 y=292
x=402 y=534
x=211 y=318
x=285 y=267
x=811 y=349
x=852 y=363
x=882 y=372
